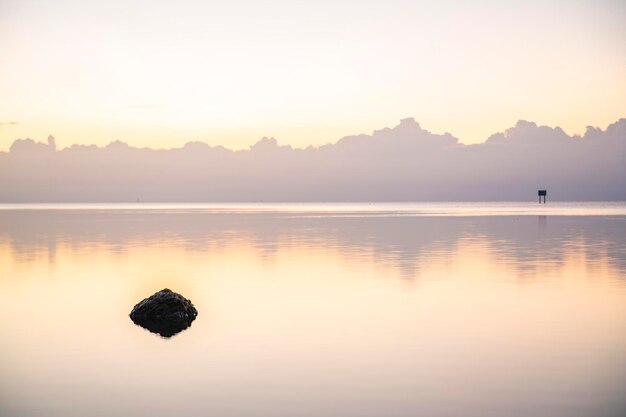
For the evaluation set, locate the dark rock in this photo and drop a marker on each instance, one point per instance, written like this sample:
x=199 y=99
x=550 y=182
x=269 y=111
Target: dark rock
x=165 y=313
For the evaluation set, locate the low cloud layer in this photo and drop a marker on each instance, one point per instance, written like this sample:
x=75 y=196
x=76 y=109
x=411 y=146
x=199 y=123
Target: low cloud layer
x=404 y=163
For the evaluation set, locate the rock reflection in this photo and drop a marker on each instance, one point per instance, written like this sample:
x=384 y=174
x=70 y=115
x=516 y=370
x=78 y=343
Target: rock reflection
x=165 y=313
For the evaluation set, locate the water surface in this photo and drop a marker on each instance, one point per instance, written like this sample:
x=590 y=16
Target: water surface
x=478 y=309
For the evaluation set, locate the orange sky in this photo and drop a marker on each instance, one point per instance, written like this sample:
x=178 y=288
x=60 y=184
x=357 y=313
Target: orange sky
x=157 y=74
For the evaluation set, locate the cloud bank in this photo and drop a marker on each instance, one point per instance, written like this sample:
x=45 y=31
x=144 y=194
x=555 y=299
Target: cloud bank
x=404 y=163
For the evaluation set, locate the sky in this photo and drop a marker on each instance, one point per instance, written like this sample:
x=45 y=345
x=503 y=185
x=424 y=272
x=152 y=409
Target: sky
x=159 y=74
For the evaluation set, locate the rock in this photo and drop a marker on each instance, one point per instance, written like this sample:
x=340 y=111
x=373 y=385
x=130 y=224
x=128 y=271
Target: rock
x=166 y=313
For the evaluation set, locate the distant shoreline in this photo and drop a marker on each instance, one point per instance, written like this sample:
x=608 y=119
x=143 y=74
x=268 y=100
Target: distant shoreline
x=511 y=208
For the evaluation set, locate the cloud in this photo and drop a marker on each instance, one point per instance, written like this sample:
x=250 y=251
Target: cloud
x=8 y=123
x=403 y=163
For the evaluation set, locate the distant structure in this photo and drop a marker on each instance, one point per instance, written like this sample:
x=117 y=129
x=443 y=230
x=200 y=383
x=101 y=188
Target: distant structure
x=542 y=193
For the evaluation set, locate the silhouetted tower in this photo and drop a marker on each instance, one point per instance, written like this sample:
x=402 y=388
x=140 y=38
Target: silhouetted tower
x=542 y=193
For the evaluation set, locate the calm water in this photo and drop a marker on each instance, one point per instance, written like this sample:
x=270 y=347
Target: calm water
x=502 y=309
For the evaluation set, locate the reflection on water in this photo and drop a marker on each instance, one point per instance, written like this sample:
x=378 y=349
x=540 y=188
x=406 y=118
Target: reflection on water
x=313 y=312
x=165 y=313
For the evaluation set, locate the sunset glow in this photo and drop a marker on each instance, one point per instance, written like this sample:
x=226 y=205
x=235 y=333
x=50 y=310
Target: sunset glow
x=326 y=208
x=160 y=74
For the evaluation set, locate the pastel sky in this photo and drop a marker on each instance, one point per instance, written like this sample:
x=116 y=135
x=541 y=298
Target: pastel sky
x=159 y=74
